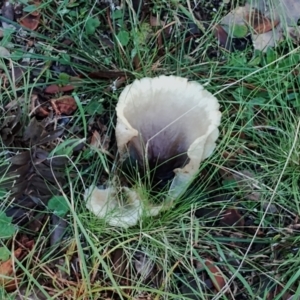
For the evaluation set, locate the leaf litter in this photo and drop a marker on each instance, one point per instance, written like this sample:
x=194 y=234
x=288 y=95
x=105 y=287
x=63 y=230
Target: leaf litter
x=263 y=23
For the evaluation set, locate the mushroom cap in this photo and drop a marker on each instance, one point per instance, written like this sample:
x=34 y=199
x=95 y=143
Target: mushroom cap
x=167 y=120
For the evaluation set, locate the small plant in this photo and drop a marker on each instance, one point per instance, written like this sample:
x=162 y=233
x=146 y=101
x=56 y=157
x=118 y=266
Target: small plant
x=91 y=25
x=7 y=229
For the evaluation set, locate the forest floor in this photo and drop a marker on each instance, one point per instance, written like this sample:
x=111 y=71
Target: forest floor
x=233 y=234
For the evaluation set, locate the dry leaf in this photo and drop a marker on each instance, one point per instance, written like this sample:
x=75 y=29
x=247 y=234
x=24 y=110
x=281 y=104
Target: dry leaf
x=54 y=89
x=232 y=217
x=101 y=142
x=222 y=37
x=136 y=62
x=289 y=12
x=31 y=20
x=64 y=105
x=7 y=271
x=41 y=112
x=262 y=18
x=21 y=158
x=7 y=268
x=216 y=275
x=96 y=139
x=259 y=23
x=285 y=14
x=37 y=108
x=119 y=261
x=116 y=84
x=48 y=137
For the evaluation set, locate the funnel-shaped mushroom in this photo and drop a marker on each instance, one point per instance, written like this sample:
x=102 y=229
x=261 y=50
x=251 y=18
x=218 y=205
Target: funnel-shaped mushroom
x=169 y=125
x=165 y=124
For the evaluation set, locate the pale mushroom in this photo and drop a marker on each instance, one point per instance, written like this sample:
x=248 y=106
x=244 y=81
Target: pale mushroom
x=170 y=123
x=167 y=125
x=110 y=205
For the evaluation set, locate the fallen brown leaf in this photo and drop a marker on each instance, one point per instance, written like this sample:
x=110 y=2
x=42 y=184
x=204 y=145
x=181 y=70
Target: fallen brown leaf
x=259 y=23
x=31 y=20
x=64 y=105
x=41 y=112
x=216 y=275
x=266 y=28
x=222 y=36
x=96 y=139
x=54 y=89
x=119 y=263
x=136 y=62
x=233 y=218
x=7 y=271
